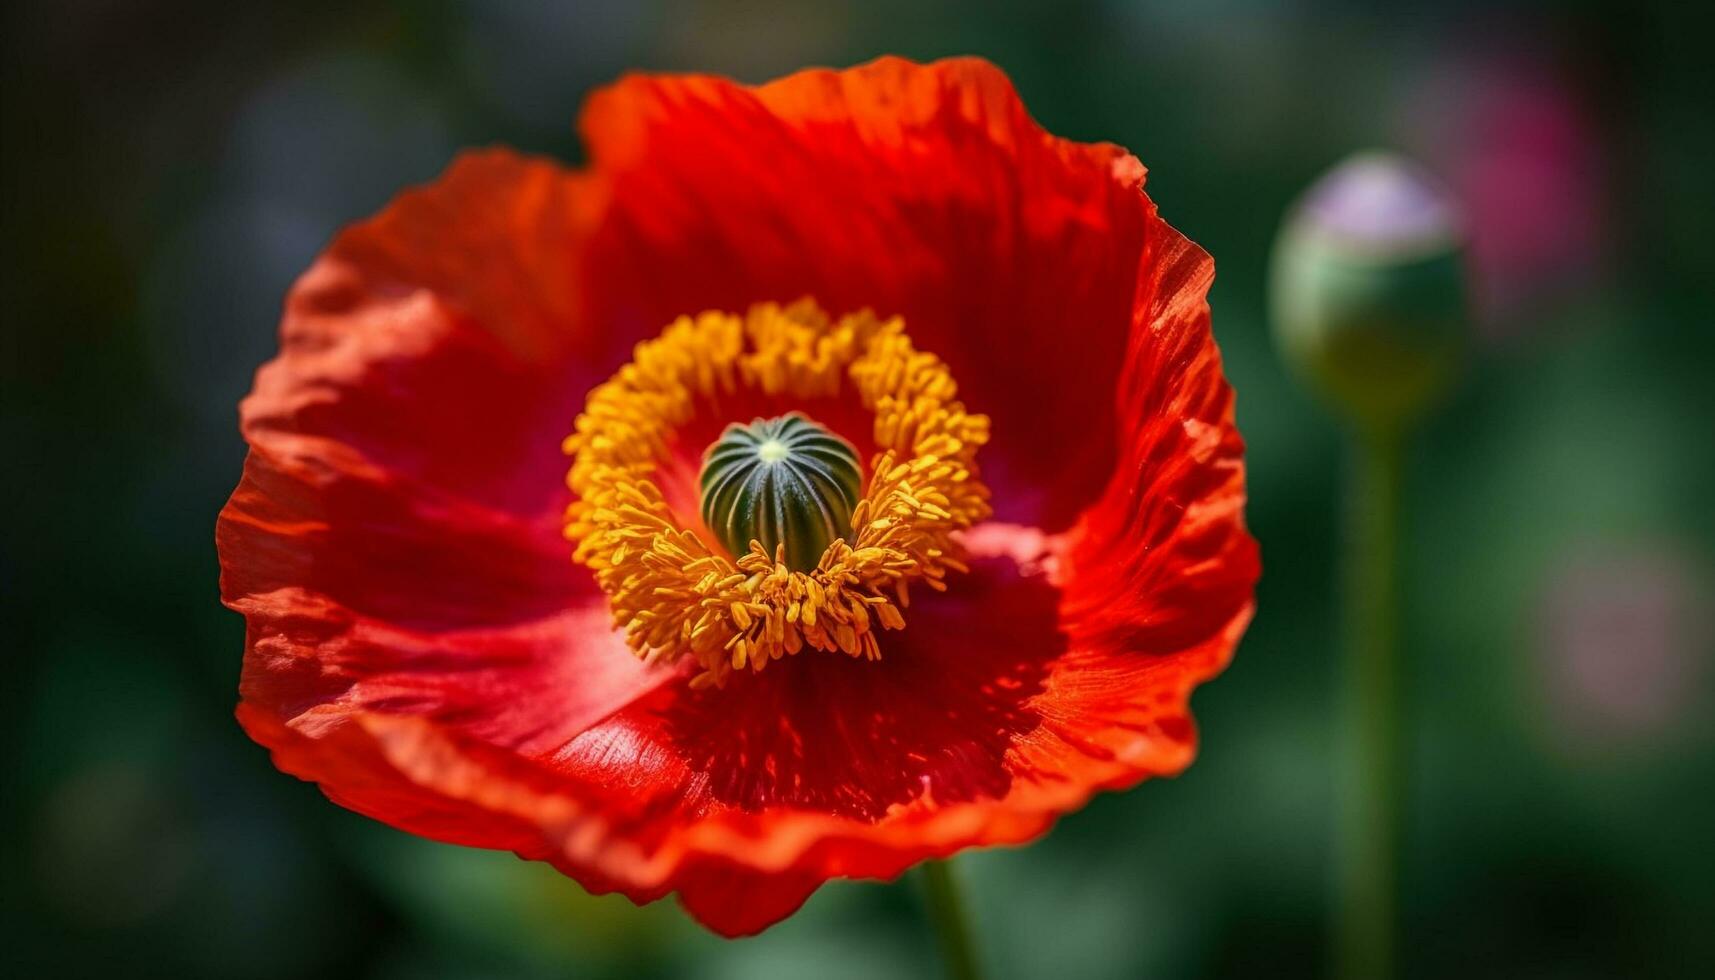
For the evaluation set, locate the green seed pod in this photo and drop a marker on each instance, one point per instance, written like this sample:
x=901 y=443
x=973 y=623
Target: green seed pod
x=781 y=481
x=1369 y=292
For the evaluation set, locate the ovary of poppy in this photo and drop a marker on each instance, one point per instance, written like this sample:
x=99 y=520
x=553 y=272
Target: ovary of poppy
x=422 y=645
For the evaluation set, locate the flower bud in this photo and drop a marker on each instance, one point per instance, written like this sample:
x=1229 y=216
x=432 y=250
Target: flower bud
x=1368 y=291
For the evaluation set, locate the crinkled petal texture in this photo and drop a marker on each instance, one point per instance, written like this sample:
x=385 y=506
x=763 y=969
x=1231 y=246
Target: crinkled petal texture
x=421 y=645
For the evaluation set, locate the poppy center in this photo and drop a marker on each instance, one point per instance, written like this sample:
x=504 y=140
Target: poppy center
x=786 y=483
x=793 y=545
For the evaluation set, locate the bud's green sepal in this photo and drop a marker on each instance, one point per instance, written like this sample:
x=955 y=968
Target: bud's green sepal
x=781 y=481
x=1369 y=291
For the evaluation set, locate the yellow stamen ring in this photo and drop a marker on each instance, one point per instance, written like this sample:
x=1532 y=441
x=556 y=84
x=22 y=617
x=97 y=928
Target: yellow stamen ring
x=671 y=593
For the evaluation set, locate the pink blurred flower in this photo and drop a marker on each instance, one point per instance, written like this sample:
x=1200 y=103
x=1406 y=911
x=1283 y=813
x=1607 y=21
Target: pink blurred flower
x=1520 y=148
x=1623 y=644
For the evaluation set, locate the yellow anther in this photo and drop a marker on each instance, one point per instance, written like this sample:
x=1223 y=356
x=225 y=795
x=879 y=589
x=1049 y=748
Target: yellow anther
x=670 y=592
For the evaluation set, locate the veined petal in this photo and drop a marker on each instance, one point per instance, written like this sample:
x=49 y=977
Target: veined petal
x=921 y=191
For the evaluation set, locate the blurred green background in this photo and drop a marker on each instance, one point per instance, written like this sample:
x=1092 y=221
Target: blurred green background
x=170 y=167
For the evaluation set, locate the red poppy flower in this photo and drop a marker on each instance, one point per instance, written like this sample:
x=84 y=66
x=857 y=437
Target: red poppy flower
x=1045 y=555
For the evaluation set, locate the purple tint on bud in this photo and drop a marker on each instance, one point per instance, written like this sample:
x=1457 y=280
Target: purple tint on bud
x=1384 y=204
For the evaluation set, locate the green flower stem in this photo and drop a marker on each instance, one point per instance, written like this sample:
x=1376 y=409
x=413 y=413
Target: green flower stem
x=1369 y=840
x=952 y=927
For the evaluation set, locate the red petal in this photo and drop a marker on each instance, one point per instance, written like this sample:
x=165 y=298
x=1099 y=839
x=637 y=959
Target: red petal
x=980 y=725
x=395 y=544
x=1163 y=561
x=922 y=191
